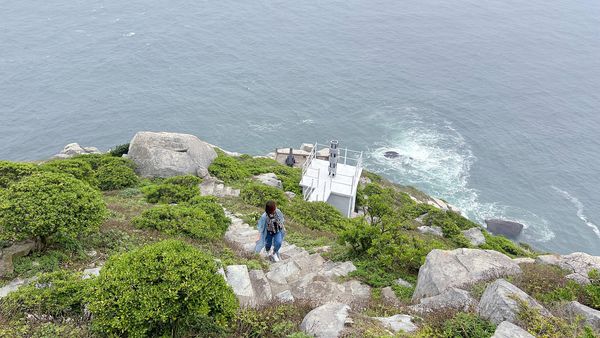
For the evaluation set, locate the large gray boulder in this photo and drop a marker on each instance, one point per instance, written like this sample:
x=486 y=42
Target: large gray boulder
x=238 y=278
x=510 y=330
x=459 y=268
x=434 y=230
x=451 y=298
x=591 y=316
x=326 y=321
x=506 y=228
x=499 y=302
x=16 y=250
x=170 y=154
x=578 y=263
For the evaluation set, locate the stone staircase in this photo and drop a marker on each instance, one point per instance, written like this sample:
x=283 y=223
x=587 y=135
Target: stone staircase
x=298 y=276
x=211 y=186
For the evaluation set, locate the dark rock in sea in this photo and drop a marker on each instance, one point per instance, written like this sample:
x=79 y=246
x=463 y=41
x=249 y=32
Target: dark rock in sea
x=506 y=228
x=391 y=154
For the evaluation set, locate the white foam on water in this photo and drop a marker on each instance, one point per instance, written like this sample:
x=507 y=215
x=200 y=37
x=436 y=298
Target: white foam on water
x=129 y=34
x=435 y=157
x=580 y=209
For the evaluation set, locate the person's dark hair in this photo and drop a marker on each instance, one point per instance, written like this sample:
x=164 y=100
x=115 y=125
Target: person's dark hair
x=270 y=207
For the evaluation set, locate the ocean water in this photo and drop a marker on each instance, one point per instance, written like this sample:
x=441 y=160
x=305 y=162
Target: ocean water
x=494 y=104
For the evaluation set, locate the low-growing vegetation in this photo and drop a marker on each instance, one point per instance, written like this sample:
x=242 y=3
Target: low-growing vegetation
x=176 y=189
x=174 y=288
x=181 y=219
x=161 y=243
x=50 y=206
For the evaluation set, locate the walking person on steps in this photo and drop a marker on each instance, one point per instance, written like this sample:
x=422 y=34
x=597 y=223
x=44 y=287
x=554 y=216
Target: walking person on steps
x=271 y=231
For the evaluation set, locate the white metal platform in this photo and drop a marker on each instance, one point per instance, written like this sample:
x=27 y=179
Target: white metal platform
x=339 y=190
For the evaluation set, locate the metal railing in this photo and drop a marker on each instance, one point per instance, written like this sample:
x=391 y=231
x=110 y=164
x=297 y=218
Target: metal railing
x=346 y=156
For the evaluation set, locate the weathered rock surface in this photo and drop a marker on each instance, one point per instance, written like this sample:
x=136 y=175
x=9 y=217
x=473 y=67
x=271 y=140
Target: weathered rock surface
x=169 y=154
x=389 y=296
x=269 y=179
x=16 y=250
x=398 y=323
x=211 y=186
x=461 y=267
x=290 y=194
x=434 y=230
x=298 y=276
x=92 y=272
x=14 y=285
x=499 y=302
x=578 y=263
x=510 y=330
x=451 y=298
x=261 y=286
x=238 y=278
x=404 y=283
x=326 y=321
x=591 y=316
x=475 y=236
x=73 y=149
x=507 y=228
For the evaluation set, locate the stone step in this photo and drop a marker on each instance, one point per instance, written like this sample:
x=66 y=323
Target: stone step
x=238 y=278
x=207 y=189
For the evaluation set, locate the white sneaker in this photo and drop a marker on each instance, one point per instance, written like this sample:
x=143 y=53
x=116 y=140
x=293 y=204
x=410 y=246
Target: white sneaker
x=276 y=258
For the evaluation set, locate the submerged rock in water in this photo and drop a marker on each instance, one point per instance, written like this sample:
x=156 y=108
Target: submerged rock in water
x=507 y=228
x=391 y=154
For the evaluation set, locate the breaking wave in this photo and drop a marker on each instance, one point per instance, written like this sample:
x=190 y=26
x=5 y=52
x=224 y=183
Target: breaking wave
x=435 y=157
x=580 y=208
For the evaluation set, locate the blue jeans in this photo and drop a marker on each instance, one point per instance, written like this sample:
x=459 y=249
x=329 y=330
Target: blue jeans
x=275 y=240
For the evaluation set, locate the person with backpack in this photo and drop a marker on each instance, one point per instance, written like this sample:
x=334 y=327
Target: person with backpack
x=290 y=160
x=271 y=231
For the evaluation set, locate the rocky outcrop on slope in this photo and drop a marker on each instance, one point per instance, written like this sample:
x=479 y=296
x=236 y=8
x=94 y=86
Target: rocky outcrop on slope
x=170 y=154
x=510 y=330
x=298 y=276
x=73 y=149
x=578 y=263
x=459 y=268
x=591 y=316
x=500 y=302
x=326 y=321
x=16 y=250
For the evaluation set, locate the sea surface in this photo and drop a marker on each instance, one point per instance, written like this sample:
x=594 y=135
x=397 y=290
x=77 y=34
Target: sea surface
x=494 y=105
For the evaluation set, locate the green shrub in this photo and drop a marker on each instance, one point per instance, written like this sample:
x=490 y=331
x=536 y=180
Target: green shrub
x=541 y=326
x=228 y=169
x=114 y=176
x=315 y=215
x=359 y=236
x=80 y=169
x=37 y=262
x=180 y=219
x=120 y=150
x=258 y=194
x=175 y=189
x=592 y=291
x=290 y=177
x=546 y=283
x=98 y=160
x=57 y=294
x=164 y=289
x=468 y=325
x=211 y=206
x=504 y=245
x=49 y=205
x=12 y=172
x=272 y=321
